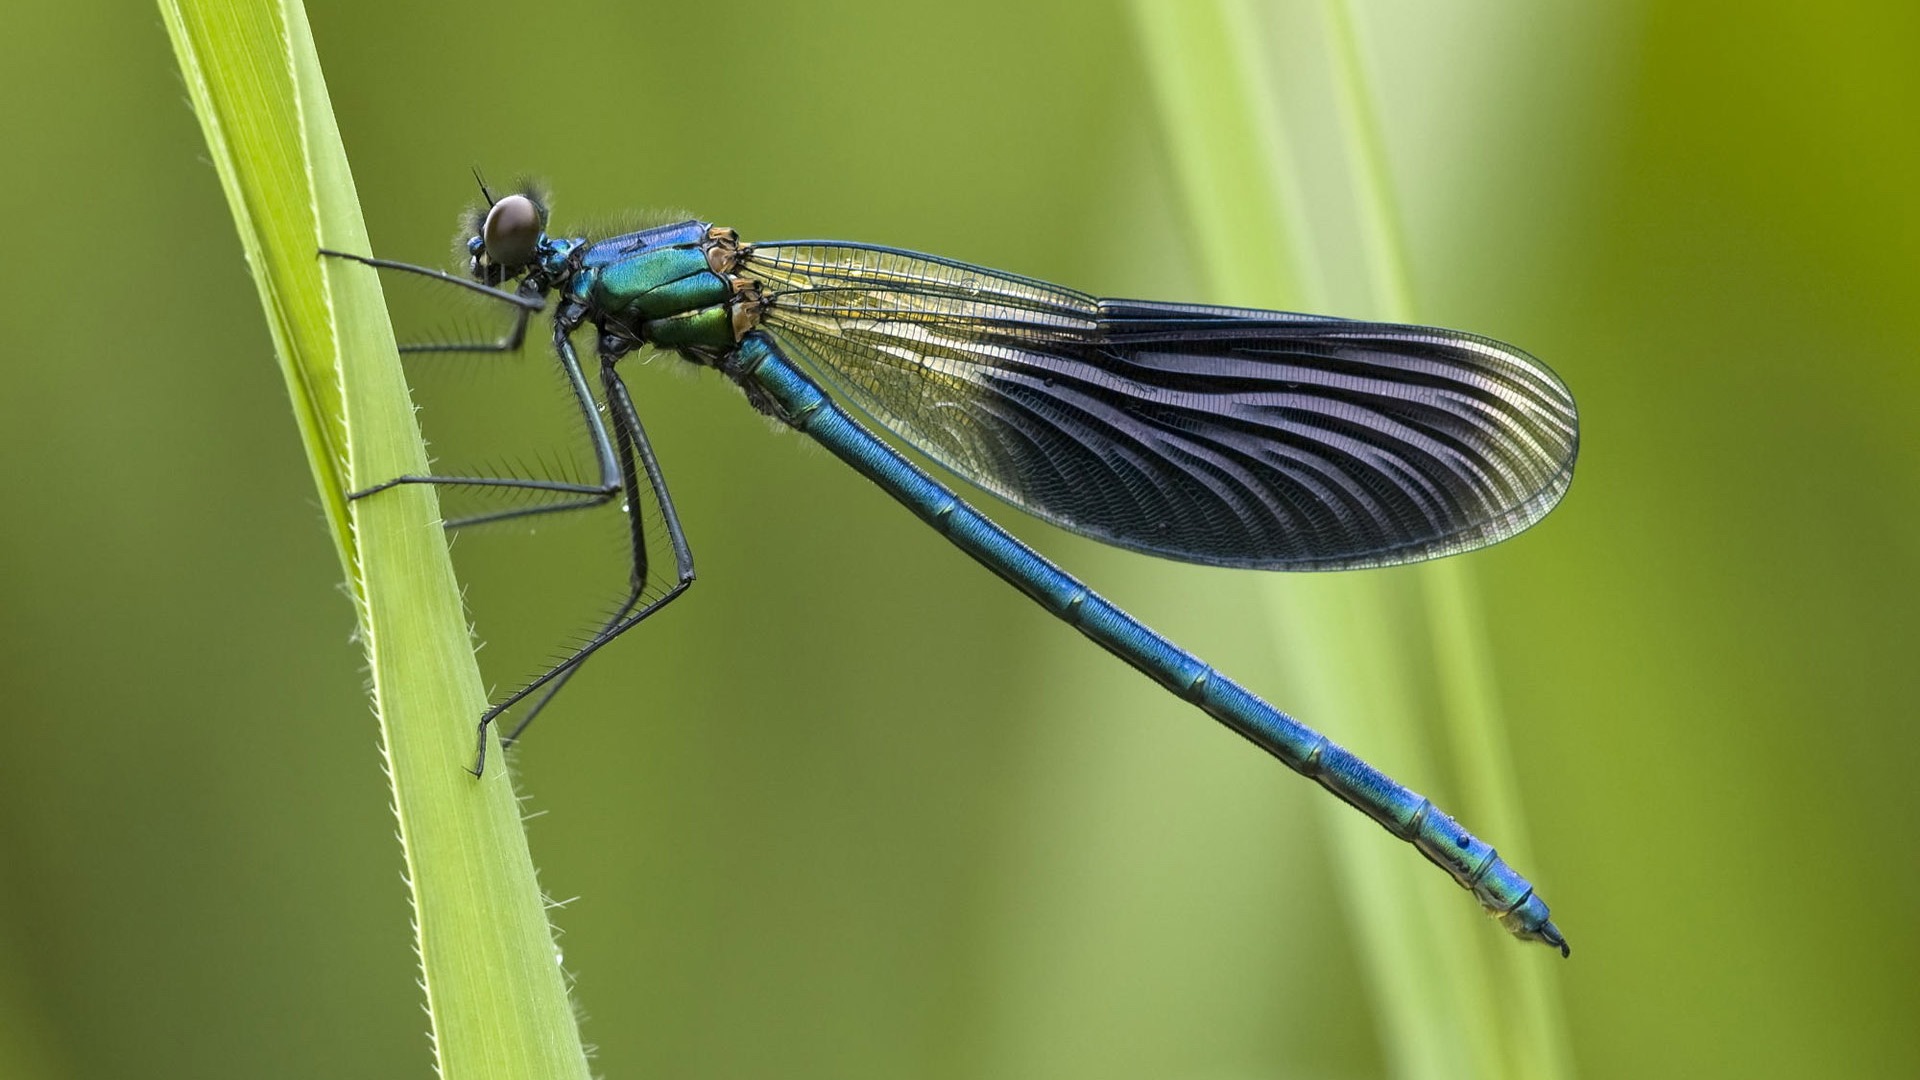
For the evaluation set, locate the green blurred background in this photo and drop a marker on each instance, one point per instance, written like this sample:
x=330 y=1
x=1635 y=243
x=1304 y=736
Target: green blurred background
x=851 y=808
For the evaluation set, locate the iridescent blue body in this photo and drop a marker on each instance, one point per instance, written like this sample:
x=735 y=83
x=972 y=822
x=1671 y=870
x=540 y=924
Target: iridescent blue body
x=1225 y=436
x=1404 y=813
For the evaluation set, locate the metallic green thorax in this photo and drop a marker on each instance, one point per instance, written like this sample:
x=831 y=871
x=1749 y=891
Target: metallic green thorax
x=668 y=286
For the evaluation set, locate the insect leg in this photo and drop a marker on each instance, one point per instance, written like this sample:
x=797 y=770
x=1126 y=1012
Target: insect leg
x=635 y=458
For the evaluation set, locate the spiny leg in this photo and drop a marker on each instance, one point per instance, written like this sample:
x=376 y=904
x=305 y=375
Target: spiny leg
x=624 y=420
x=635 y=455
x=526 y=301
x=618 y=472
x=559 y=681
x=593 y=494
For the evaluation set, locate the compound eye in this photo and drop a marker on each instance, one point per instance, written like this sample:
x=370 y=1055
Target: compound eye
x=512 y=231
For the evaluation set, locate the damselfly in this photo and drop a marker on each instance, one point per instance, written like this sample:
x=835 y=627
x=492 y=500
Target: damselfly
x=1224 y=436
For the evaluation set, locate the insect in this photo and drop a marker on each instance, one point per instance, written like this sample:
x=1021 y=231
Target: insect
x=1224 y=436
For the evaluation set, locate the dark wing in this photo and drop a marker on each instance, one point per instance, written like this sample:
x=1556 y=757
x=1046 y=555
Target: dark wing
x=1225 y=436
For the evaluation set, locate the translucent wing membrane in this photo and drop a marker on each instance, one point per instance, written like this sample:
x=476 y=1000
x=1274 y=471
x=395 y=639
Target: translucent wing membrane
x=1226 y=436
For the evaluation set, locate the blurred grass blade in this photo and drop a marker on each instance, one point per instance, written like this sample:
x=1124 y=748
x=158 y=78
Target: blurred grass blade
x=1214 y=104
x=1535 y=1035
x=495 y=993
x=1230 y=154
x=1439 y=973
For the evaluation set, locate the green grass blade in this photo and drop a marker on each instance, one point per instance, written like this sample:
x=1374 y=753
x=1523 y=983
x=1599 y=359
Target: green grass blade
x=1443 y=982
x=1230 y=152
x=1215 y=104
x=1534 y=1038
x=495 y=993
